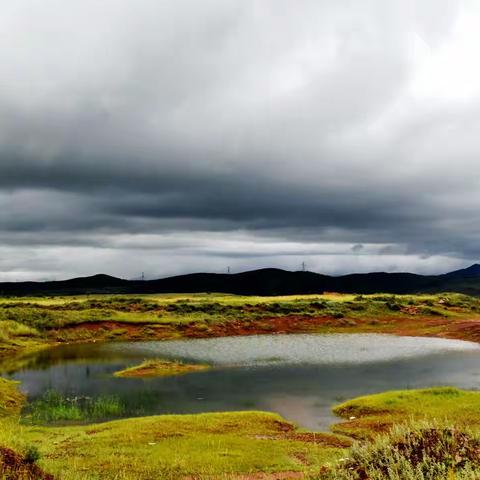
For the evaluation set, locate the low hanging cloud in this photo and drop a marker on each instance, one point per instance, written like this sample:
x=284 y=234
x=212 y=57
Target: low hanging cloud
x=181 y=135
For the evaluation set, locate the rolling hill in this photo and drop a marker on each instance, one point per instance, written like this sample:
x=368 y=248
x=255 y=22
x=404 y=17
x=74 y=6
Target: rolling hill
x=268 y=281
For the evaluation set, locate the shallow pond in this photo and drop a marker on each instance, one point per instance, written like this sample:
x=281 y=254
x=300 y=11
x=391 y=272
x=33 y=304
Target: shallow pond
x=299 y=376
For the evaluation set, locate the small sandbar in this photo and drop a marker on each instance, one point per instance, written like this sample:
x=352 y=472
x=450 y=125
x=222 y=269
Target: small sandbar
x=160 y=368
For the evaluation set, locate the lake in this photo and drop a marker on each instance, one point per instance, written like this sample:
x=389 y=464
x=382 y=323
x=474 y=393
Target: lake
x=299 y=376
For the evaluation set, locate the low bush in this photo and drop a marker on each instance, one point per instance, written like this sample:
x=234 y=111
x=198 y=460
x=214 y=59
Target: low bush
x=32 y=454
x=422 y=452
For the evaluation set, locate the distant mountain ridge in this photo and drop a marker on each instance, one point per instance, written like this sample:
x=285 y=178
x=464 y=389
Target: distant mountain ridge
x=267 y=281
x=473 y=271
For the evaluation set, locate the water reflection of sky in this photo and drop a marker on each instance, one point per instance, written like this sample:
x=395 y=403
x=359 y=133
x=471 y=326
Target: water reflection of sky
x=298 y=376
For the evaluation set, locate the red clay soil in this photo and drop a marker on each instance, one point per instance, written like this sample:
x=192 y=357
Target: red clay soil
x=408 y=325
x=14 y=466
x=465 y=330
x=267 y=325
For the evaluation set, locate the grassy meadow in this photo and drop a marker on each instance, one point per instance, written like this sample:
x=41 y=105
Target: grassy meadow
x=27 y=323
x=419 y=434
x=399 y=435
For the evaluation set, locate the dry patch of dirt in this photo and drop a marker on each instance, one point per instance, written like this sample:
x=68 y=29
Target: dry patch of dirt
x=412 y=324
x=14 y=466
x=466 y=330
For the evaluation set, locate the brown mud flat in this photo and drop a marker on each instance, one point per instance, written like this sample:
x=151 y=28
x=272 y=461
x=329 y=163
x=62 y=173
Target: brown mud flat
x=14 y=466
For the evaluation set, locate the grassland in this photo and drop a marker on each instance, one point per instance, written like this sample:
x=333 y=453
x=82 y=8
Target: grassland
x=27 y=323
x=240 y=445
x=378 y=413
x=243 y=444
x=168 y=447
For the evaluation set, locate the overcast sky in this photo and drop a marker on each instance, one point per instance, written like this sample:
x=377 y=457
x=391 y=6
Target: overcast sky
x=184 y=135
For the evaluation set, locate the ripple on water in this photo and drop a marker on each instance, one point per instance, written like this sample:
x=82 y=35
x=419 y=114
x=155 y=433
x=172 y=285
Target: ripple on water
x=321 y=349
x=299 y=376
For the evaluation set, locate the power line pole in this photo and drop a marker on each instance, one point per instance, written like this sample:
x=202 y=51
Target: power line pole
x=143 y=276
x=304 y=266
x=228 y=269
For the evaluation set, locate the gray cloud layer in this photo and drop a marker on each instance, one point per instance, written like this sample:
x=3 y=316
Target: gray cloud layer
x=181 y=135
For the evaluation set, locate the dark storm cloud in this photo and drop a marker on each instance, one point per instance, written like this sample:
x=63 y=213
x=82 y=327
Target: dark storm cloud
x=292 y=129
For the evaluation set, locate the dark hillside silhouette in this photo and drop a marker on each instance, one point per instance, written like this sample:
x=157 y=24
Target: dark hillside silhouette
x=268 y=281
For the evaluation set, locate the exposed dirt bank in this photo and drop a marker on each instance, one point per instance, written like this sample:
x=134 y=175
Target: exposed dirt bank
x=407 y=326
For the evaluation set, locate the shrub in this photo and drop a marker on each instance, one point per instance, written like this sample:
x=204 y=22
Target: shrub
x=430 y=311
x=394 y=307
x=32 y=454
x=424 y=452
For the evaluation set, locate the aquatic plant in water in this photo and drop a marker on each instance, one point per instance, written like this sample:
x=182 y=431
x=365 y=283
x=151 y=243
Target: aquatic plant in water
x=54 y=407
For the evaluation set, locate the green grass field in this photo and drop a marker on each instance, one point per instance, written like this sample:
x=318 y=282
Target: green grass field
x=236 y=445
x=27 y=323
x=170 y=446
x=239 y=445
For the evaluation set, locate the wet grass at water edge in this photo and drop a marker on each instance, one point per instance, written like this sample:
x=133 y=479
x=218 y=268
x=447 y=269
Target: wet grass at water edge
x=53 y=407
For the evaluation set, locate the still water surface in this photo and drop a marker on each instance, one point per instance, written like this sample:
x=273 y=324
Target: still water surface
x=299 y=376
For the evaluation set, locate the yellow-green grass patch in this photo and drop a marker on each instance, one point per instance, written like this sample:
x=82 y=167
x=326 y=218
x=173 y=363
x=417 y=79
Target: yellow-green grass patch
x=174 y=446
x=161 y=368
x=369 y=414
x=11 y=400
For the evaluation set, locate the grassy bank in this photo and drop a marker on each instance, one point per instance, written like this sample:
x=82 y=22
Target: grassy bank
x=27 y=323
x=175 y=446
x=377 y=413
x=430 y=434
x=442 y=423
x=11 y=400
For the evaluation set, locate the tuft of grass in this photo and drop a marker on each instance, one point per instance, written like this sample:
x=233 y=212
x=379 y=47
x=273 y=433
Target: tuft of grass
x=11 y=399
x=32 y=454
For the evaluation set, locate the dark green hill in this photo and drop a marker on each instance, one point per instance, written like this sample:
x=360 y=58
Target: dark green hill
x=267 y=281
